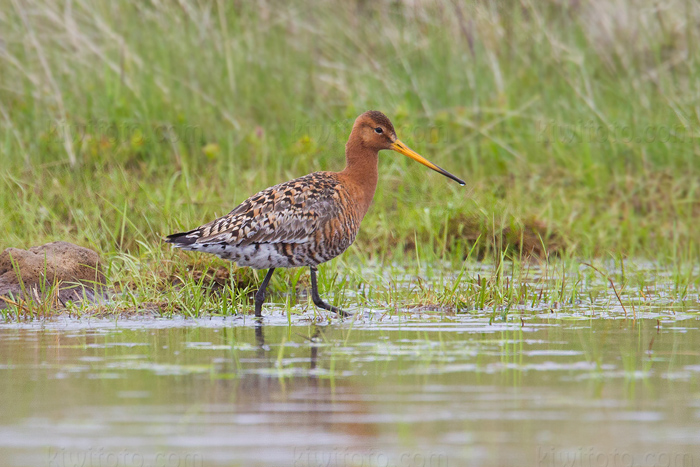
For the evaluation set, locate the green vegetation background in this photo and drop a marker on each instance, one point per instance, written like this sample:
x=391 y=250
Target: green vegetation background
x=575 y=124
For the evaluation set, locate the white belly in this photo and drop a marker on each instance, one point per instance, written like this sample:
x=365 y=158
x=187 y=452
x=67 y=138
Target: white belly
x=257 y=256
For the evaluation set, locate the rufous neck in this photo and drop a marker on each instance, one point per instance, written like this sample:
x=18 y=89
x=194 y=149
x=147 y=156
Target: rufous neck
x=361 y=172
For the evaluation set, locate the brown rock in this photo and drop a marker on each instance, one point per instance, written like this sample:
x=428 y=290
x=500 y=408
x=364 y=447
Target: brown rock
x=75 y=270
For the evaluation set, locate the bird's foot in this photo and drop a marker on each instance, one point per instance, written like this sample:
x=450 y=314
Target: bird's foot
x=325 y=306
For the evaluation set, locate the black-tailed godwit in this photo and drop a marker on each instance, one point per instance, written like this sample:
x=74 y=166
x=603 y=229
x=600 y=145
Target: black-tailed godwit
x=306 y=221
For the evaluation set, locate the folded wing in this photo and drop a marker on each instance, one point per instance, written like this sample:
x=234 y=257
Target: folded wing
x=290 y=212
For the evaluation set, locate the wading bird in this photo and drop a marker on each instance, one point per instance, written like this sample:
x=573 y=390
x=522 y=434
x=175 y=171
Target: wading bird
x=306 y=221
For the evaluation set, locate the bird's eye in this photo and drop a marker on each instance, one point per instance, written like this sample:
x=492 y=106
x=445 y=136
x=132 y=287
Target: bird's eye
x=378 y=130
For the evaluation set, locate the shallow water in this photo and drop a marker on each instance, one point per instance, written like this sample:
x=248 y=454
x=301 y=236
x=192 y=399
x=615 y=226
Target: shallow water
x=440 y=391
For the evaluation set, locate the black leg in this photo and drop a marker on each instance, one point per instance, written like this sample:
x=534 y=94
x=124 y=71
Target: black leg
x=317 y=298
x=260 y=294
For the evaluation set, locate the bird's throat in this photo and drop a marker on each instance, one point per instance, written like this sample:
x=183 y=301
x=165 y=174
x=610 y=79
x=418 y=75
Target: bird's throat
x=361 y=174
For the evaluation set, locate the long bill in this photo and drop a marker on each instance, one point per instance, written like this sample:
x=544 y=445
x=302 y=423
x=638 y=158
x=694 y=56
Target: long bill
x=398 y=146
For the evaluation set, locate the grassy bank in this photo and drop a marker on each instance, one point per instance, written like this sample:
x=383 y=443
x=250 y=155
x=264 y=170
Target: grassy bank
x=575 y=125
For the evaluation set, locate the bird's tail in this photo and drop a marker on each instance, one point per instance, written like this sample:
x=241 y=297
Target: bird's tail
x=183 y=239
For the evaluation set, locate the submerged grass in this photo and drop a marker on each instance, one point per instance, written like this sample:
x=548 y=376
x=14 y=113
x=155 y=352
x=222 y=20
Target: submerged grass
x=575 y=125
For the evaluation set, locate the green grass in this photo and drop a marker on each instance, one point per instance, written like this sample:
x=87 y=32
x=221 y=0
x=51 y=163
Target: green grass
x=575 y=125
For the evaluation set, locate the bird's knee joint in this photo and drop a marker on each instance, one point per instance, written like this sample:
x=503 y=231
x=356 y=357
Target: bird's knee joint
x=259 y=299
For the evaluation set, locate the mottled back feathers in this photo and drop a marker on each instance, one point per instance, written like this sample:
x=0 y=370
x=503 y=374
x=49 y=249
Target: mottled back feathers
x=303 y=219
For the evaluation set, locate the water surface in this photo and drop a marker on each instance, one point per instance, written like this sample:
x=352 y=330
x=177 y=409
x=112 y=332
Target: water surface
x=463 y=390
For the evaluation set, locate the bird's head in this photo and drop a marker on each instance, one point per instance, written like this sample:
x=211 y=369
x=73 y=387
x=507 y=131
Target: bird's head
x=375 y=131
